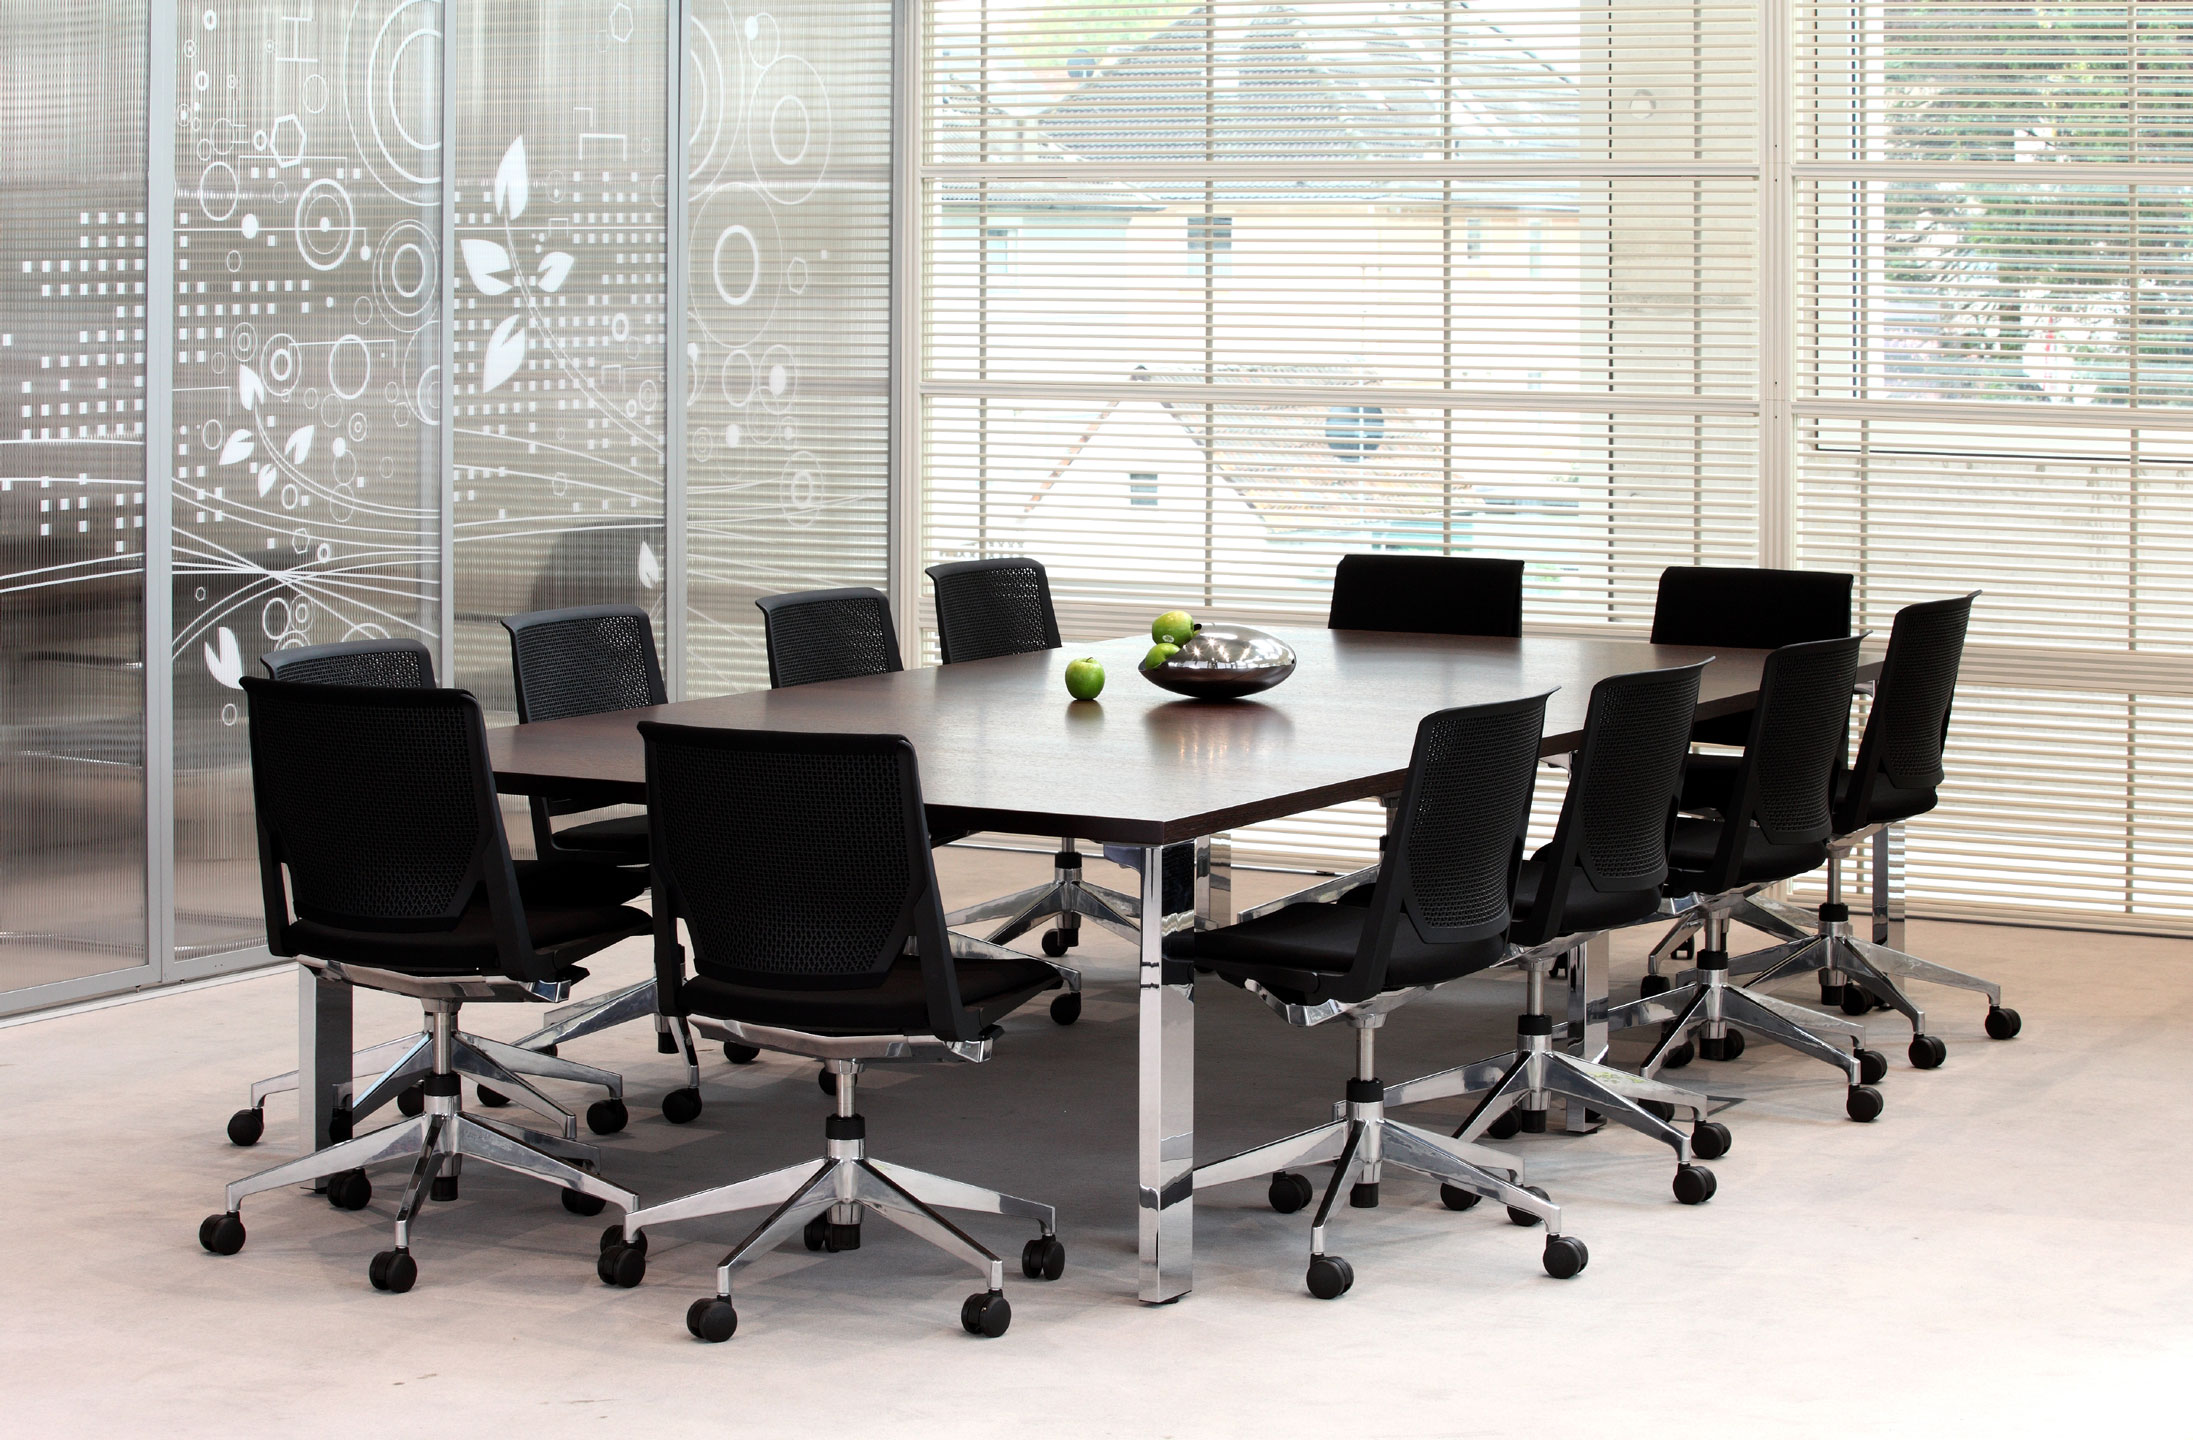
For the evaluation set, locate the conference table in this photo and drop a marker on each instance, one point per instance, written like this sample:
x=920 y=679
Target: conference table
x=1145 y=773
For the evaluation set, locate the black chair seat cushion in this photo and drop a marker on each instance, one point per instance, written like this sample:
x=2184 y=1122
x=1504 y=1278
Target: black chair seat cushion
x=565 y=903
x=1709 y=778
x=1588 y=908
x=1299 y=953
x=990 y=990
x=621 y=840
x=1690 y=856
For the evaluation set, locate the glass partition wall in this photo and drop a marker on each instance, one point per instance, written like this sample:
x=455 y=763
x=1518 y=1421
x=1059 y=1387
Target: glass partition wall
x=428 y=264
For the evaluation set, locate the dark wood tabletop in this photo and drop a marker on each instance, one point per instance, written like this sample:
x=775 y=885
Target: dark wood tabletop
x=1002 y=746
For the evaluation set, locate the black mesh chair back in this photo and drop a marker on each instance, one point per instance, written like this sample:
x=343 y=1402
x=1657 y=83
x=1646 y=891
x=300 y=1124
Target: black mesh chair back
x=1428 y=595
x=1901 y=750
x=381 y=804
x=584 y=661
x=354 y=662
x=798 y=861
x=1457 y=844
x=1749 y=609
x=987 y=608
x=1620 y=808
x=828 y=635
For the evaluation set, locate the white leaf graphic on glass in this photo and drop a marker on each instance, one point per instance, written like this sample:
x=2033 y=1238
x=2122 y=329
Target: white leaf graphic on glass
x=238 y=448
x=650 y=567
x=555 y=265
x=489 y=265
x=249 y=388
x=268 y=474
x=299 y=445
x=224 y=661
x=505 y=353
x=510 y=181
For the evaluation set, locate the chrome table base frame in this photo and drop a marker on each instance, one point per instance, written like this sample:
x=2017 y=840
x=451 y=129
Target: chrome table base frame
x=842 y=1185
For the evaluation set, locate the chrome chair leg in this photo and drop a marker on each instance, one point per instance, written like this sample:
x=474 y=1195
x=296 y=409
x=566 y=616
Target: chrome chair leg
x=588 y=1017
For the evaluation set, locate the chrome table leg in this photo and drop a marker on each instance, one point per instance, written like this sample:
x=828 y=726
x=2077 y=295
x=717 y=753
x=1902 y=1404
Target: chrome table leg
x=1165 y=1144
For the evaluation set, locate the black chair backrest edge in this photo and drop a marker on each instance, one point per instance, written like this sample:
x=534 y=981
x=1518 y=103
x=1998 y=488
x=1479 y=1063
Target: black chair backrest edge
x=1428 y=594
x=1748 y=607
x=1908 y=727
x=988 y=608
x=353 y=662
x=645 y=687
x=815 y=635
x=1800 y=732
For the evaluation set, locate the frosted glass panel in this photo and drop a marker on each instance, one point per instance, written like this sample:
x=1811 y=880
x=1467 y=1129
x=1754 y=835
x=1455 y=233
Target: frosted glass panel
x=562 y=214
x=72 y=491
x=308 y=262
x=787 y=409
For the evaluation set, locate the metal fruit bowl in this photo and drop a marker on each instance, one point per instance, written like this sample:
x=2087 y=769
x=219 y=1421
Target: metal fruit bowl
x=1223 y=662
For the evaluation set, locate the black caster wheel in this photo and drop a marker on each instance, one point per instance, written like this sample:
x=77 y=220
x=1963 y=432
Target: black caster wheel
x=1330 y=1277
x=1290 y=1192
x=1830 y=996
x=1363 y=1197
x=1680 y=1056
x=492 y=1099
x=350 y=1190
x=1505 y=1128
x=2001 y=1025
x=222 y=1234
x=578 y=1202
x=1657 y=1109
x=1043 y=1258
x=607 y=1117
x=1710 y=1140
x=1565 y=1257
x=711 y=1318
x=1694 y=1184
x=613 y=1236
x=1728 y=1047
x=1653 y=985
x=1855 y=1000
x=247 y=1125
x=341 y=1124
x=1928 y=1052
x=623 y=1266
x=828 y=1082
x=1864 y=1103
x=1524 y=1217
x=443 y=1190
x=1872 y=1066
x=1456 y=1198
x=394 y=1271
x=816 y=1233
x=1733 y=1046
x=1054 y=943
x=1066 y=1009
x=739 y=1054
x=682 y=1107
x=985 y=1313
x=411 y=1100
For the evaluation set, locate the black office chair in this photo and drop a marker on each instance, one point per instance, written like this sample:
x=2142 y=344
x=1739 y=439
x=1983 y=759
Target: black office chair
x=1897 y=776
x=1440 y=909
x=1738 y=608
x=1428 y=594
x=1774 y=824
x=800 y=865
x=378 y=807
x=987 y=608
x=400 y=1062
x=1601 y=871
x=588 y=661
x=353 y=662
x=816 y=635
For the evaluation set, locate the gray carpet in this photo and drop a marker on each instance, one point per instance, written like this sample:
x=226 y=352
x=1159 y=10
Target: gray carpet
x=2003 y=1253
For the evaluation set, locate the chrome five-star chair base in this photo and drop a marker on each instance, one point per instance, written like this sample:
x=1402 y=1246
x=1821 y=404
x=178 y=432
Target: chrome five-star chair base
x=1719 y=1015
x=823 y=1203
x=1521 y=1083
x=1361 y=1143
x=1065 y=898
x=436 y=1142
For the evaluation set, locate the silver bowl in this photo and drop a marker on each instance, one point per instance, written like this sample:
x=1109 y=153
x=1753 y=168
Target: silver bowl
x=1223 y=662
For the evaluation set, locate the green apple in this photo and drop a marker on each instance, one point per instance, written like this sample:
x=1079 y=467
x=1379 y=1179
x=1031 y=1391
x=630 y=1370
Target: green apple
x=1085 y=678
x=1174 y=627
x=1159 y=654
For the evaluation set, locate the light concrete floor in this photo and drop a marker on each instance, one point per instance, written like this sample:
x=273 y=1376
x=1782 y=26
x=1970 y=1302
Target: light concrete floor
x=2003 y=1253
